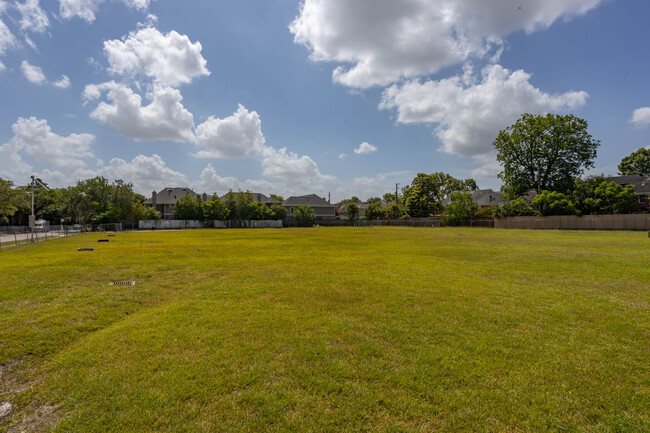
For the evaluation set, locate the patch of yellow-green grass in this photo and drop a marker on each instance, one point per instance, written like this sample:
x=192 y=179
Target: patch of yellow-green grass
x=329 y=329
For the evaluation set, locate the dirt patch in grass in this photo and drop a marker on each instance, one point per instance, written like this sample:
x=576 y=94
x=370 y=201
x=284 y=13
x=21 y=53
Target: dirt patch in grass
x=36 y=419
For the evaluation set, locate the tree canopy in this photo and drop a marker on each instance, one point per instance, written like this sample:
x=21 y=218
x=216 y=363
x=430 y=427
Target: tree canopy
x=635 y=163
x=460 y=208
x=427 y=191
x=304 y=215
x=544 y=153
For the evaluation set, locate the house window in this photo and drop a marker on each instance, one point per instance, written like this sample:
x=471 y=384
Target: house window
x=291 y=211
x=641 y=198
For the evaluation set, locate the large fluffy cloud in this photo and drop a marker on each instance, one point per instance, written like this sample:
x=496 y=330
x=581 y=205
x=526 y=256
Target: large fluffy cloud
x=145 y=172
x=641 y=116
x=468 y=113
x=380 y=41
x=169 y=59
x=236 y=136
x=164 y=118
x=12 y=166
x=86 y=9
x=35 y=137
x=33 y=18
x=288 y=166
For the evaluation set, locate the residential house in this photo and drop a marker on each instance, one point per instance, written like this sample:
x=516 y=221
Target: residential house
x=483 y=198
x=641 y=183
x=323 y=209
x=165 y=200
x=257 y=197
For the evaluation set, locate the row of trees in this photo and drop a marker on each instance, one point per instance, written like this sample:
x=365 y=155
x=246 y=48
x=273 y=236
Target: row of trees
x=91 y=201
x=235 y=206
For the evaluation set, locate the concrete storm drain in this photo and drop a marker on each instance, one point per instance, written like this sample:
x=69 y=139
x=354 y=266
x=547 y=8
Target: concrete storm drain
x=122 y=283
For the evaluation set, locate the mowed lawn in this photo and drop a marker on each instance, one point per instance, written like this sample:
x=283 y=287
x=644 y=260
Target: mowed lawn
x=328 y=329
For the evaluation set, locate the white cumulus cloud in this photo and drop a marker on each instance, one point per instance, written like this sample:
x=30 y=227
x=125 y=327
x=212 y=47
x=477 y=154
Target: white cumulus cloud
x=35 y=137
x=164 y=118
x=641 y=116
x=169 y=59
x=469 y=114
x=63 y=83
x=7 y=39
x=87 y=9
x=292 y=168
x=34 y=74
x=380 y=41
x=236 y=136
x=365 y=148
x=145 y=172
x=33 y=18
x=12 y=166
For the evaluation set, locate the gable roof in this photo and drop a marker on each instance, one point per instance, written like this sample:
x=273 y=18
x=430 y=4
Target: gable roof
x=257 y=197
x=171 y=195
x=641 y=182
x=307 y=200
x=481 y=197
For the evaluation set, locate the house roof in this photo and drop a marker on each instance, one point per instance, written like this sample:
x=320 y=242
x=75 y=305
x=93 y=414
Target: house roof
x=641 y=182
x=171 y=195
x=307 y=200
x=257 y=197
x=481 y=196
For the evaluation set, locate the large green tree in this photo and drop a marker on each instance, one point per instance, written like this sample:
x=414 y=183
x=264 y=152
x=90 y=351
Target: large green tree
x=554 y=203
x=189 y=208
x=635 y=163
x=426 y=192
x=305 y=215
x=611 y=198
x=461 y=207
x=544 y=153
x=215 y=209
x=352 y=209
x=10 y=200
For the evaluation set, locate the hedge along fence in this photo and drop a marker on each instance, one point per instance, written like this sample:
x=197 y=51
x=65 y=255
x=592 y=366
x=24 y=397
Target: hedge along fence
x=571 y=222
x=192 y=224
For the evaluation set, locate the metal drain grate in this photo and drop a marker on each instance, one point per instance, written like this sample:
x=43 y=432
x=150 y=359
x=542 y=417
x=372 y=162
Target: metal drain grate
x=123 y=283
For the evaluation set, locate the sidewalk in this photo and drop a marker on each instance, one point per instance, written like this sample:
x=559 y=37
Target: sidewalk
x=11 y=239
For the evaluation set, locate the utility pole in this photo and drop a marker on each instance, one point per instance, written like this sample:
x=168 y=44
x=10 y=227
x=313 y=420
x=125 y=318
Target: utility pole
x=32 y=217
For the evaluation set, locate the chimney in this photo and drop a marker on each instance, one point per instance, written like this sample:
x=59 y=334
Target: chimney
x=153 y=199
x=329 y=197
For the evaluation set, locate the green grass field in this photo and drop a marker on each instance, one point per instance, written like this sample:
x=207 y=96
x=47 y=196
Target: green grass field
x=328 y=329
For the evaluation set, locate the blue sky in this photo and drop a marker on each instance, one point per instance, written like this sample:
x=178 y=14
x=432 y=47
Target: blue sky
x=320 y=96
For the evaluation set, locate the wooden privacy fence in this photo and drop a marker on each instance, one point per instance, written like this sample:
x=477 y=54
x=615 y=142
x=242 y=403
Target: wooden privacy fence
x=571 y=222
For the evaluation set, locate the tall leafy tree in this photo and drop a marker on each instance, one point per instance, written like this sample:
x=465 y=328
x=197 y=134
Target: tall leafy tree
x=10 y=200
x=635 y=163
x=215 y=209
x=352 y=209
x=460 y=208
x=554 y=203
x=612 y=198
x=189 y=208
x=304 y=215
x=426 y=192
x=544 y=153
x=238 y=204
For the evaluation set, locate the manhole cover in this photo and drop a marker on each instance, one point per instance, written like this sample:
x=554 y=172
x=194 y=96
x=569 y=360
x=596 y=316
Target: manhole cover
x=123 y=283
x=86 y=249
